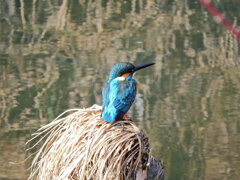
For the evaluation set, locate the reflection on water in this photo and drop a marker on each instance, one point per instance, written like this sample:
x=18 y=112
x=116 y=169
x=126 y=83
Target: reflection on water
x=56 y=55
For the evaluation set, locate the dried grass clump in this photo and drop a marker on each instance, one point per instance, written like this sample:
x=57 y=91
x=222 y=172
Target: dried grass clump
x=82 y=146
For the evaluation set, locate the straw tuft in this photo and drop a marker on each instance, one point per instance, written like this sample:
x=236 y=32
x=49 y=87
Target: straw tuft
x=82 y=146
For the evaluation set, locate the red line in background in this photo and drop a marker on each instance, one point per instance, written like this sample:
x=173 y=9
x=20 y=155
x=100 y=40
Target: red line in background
x=218 y=15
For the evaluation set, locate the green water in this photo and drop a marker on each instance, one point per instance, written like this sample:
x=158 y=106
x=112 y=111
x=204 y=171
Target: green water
x=56 y=55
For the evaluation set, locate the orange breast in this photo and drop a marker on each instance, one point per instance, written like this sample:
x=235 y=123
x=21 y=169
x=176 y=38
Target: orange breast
x=137 y=87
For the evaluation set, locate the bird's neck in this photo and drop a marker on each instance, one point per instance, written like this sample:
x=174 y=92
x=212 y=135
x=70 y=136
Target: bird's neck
x=129 y=78
x=122 y=78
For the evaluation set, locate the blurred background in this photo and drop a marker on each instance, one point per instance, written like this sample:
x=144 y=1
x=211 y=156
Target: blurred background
x=56 y=55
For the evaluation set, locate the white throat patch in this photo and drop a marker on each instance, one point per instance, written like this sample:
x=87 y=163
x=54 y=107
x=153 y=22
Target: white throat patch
x=120 y=78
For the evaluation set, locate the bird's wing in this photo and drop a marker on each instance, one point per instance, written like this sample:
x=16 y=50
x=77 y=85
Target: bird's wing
x=125 y=96
x=105 y=94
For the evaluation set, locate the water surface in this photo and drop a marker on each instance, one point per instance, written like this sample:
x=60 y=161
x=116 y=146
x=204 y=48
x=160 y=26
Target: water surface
x=57 y=55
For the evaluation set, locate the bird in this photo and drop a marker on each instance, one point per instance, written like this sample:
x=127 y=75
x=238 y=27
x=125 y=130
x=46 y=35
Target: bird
x=120 y=91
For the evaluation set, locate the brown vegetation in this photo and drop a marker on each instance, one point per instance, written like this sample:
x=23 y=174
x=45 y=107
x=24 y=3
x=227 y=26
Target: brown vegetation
x=82 y=146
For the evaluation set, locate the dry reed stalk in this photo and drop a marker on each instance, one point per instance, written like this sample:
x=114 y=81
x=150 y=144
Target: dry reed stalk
x=82 y=146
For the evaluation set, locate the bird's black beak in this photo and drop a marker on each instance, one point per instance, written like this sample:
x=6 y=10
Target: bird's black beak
x=143 y=66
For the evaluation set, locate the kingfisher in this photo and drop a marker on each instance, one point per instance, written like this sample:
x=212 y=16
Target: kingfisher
x=119 y=91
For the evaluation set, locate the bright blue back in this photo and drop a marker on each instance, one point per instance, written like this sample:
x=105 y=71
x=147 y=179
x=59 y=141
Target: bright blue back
x=118 y=97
